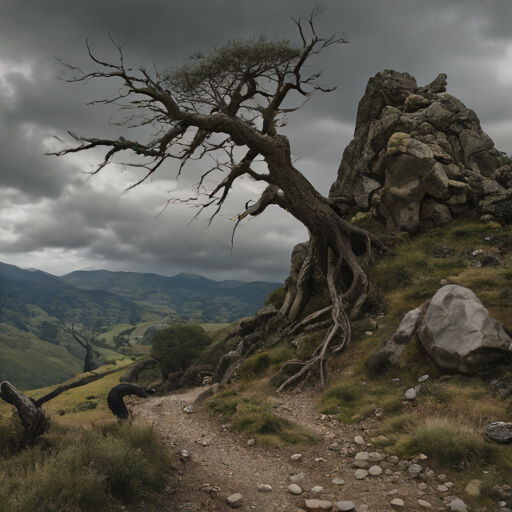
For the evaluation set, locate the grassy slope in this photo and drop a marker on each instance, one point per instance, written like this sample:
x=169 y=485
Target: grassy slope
x=29 y=362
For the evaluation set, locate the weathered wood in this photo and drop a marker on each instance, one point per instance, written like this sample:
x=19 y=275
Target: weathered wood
x=132 y=374
x=115 y=398
x=82 y=381
x=34 y=420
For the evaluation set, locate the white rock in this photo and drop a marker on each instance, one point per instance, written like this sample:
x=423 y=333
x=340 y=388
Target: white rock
x=184 y=454
x=375 y=471
x=423 y=378
x=458 y=505
x=473 y=488
x=415 y=469
x=317 y=489
x=423 y=486
x=296 y=456
x=359 y=440
x=318 y=504
x=235 y=500
x=411 y=394
x=360 y=474
x=338 y=481
x=376 y=456
x=251 y=442
x=397 y=503
x=294 y=489
x=424 y=504
x=442 y=488
x=362 y=456
x=345 y=506
x=189 y=409
x=423 y=456
x=264 y=488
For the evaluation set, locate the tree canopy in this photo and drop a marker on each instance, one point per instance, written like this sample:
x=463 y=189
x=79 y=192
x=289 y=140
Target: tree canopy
x=178 y=346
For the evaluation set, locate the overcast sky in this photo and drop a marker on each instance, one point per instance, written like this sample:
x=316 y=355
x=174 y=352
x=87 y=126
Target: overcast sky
x=55 y=217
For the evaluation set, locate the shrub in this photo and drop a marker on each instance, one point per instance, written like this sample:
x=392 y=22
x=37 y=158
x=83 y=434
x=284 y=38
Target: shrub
x=452 y=445
x=276 y=298
x=178 y=346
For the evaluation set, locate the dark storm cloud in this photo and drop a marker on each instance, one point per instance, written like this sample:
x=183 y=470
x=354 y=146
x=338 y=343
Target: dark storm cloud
x=51 y=212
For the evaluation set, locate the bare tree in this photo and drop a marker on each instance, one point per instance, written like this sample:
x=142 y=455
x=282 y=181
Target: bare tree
x=86 y=338
x=228 y=102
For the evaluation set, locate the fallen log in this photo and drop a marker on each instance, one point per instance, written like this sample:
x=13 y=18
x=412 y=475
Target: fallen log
x=34 y=420
x=115 y=398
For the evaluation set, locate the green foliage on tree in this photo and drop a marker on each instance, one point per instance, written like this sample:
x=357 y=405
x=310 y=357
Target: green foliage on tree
x=178 y=346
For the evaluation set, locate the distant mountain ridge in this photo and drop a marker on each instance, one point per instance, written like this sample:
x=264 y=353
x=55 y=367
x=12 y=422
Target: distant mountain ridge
x=190 y=296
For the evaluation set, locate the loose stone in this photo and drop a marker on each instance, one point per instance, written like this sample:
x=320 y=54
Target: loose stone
x=415 y=469
x=423 y=378
x=424 y=504
x=375 y=471
x=362 y=456
x=423 y=486
x=317 y=489
x=360 y=474
x=397 y=503
x=473 y=488
x=295 y=489
x=458 y=505
x=442 y=478
x=318 y=504
x=338 y=481
x=345 y=506
x=296 y=456
x=411 y=394
x=251 y=442
x=264 y=488
x=376 y=457
x=359 y=440
x=235 y=500
x=423 y=456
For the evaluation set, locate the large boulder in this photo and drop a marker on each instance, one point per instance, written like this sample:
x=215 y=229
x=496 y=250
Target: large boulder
x=417 y=146
x=458 y=333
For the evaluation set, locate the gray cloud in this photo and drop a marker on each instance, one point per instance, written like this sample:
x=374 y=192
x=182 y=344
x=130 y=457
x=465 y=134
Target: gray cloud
x=54 y=218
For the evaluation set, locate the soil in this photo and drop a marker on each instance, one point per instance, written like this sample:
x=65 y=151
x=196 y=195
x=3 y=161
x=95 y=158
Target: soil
x=221 y=463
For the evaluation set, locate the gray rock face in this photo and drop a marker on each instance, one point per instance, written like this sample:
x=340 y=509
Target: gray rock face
x=414 y=150
x=458 y=332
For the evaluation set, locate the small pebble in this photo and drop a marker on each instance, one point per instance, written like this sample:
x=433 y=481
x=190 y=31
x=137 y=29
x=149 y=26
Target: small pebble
x=442 y=488
x=345 y=506
x=360 y=474
x=411 y=394
x=318 y=504
x=317 y=489
x=338 y=481
x=251 y=442
x=296 y=456
x=397 y=503
x=359 y=440
x=295 y=489
x=424 y=504
x=375 y=471
x=264 y=488
x=235 y=500
x=415 y=469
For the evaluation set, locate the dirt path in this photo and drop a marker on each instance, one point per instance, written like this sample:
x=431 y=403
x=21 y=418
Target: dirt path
x=221 y=463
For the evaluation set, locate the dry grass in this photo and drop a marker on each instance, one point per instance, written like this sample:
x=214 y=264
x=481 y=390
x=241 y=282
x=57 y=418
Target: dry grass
x=85 y=469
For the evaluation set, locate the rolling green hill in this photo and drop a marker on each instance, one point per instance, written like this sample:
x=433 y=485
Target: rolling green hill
x=189 y=296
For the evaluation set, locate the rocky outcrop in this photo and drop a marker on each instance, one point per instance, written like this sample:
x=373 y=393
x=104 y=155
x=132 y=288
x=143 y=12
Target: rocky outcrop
x=419 y=157
x=458 y=333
